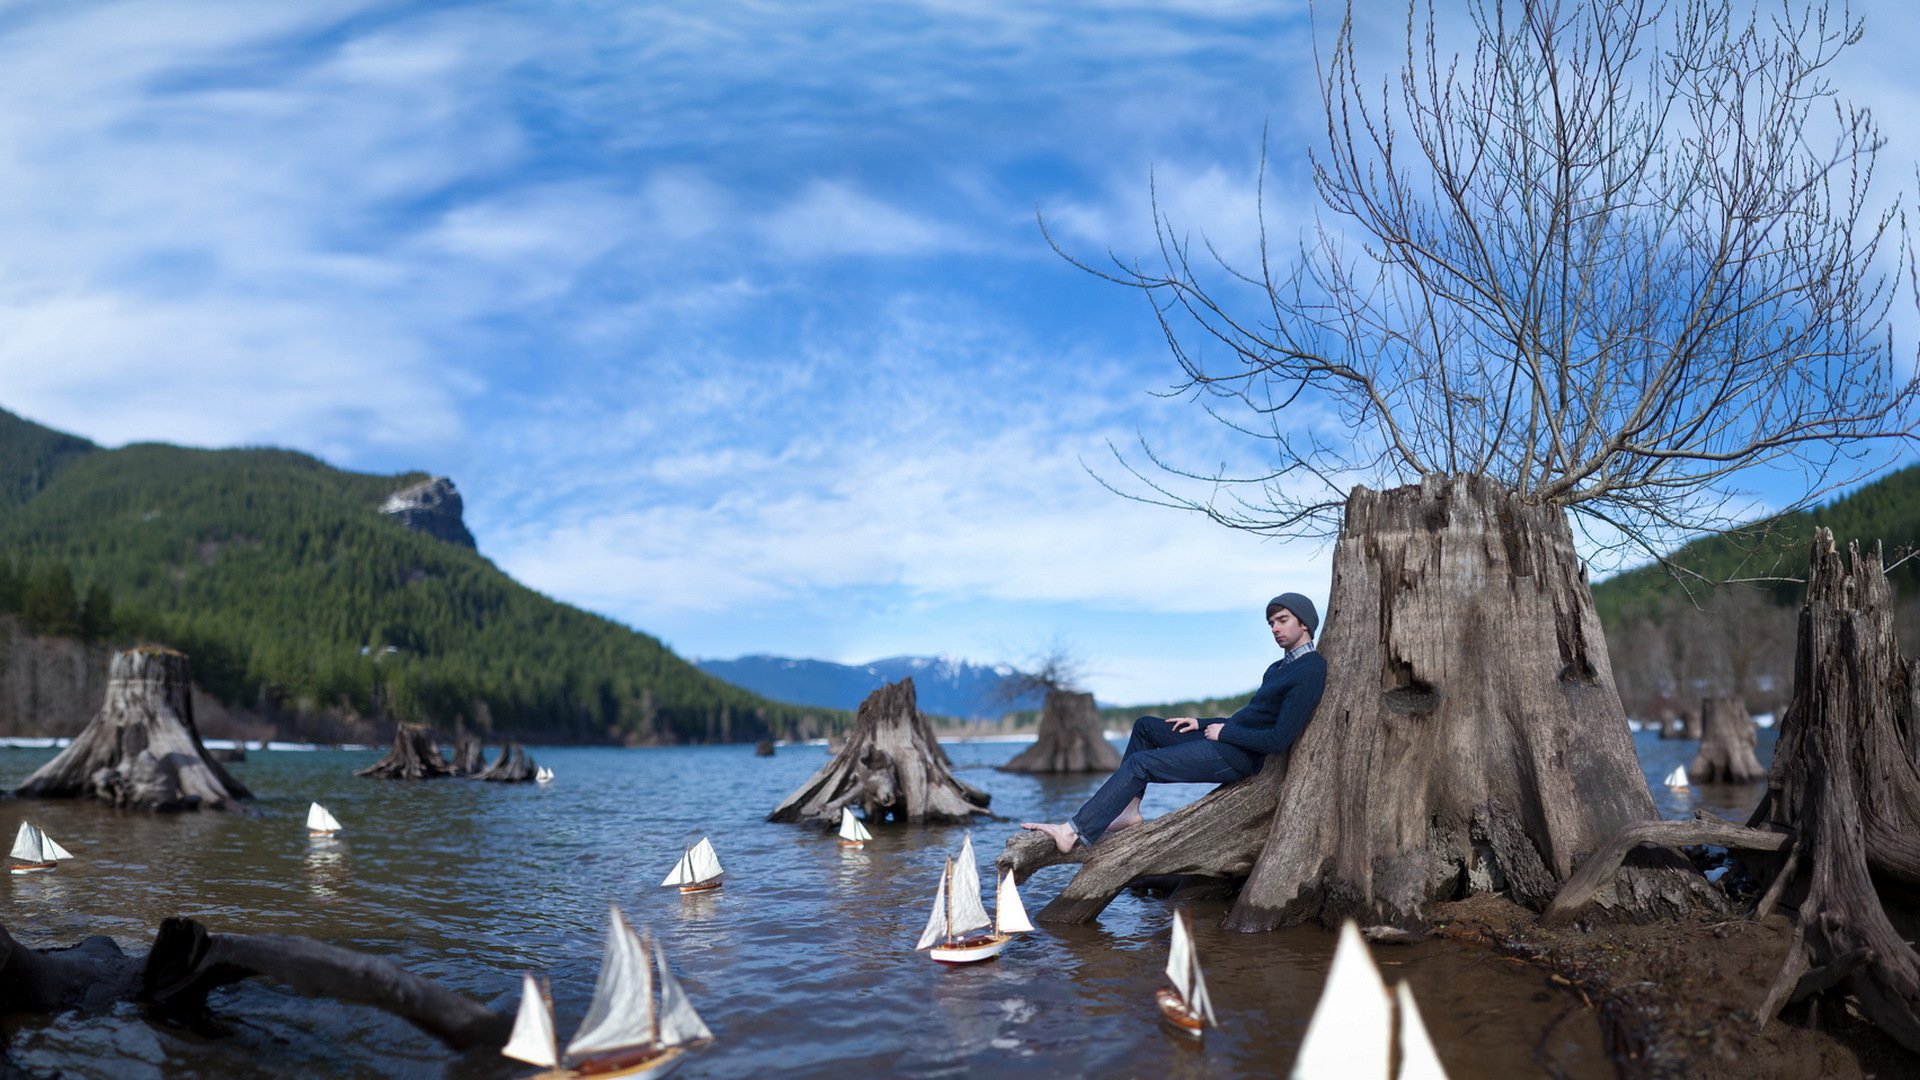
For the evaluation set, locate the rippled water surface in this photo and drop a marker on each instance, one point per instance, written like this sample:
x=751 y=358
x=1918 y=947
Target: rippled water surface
x=803 y=964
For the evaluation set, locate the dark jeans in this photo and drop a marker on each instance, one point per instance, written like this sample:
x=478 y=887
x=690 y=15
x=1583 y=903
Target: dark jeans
x=1160 y=755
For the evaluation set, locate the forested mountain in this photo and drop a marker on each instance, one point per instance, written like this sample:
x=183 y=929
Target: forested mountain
x=1670 y=649
x=296 y=598
x=943 y=686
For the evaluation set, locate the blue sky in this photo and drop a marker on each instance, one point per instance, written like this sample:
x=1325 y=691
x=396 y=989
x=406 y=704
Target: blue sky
x=731 y=320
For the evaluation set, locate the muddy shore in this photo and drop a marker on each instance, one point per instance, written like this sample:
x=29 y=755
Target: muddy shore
x=1681 y=998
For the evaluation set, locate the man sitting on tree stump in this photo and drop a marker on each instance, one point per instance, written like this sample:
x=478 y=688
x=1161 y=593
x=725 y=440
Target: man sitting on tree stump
x=1189 y=750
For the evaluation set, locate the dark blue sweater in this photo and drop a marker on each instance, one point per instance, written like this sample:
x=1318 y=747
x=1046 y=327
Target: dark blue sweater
x=1278 y=713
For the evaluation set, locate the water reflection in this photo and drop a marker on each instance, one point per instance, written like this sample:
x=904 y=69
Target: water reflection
x=327 y=869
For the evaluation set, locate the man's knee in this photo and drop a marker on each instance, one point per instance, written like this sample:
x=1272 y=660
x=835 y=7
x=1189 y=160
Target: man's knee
x=1147 y=726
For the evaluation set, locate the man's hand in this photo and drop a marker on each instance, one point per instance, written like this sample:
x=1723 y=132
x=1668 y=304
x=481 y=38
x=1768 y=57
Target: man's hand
x=1213 y=731
x=1184 y=724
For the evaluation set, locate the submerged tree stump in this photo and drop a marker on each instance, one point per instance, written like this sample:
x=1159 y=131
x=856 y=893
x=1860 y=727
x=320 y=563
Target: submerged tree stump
x=512 y=767
x=414 y=756
x=1726 y=745
x=1845 y=781
x=142 y=750
x=1470 y=737
x=469 y=755
x=1070 y=739
x=891 y=767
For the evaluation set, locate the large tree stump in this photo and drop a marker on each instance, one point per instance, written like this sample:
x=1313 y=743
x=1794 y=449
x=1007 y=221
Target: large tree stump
x=1070 y=739
x=1845 y=781
x=1726 y=744
x=142 y=750
x=891 y=767
x=514 y=766
x=469 y=755
x=413 y=756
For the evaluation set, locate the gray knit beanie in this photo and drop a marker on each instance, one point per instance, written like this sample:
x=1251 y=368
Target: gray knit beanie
x=1301 y=607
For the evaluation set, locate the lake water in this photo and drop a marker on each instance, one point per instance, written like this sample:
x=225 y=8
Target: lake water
x=803 y=964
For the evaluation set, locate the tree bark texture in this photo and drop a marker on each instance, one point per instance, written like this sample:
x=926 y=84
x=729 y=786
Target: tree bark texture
x=1726 y=745
x=1070 y=739
x=187 y=962
x=1845 y=781
x=413 y=756
x=142 y=750
x=514 y=766
x=891 y=767
x=1217 y=836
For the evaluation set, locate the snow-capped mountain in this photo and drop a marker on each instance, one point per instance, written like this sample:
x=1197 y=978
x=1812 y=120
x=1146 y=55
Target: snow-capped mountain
x=946 y=686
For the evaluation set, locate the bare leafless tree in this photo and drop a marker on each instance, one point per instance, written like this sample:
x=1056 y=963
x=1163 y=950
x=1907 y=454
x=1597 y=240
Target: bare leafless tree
x=1613 y=256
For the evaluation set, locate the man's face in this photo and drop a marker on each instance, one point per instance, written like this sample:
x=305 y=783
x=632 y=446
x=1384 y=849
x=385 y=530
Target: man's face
x=1287 y=630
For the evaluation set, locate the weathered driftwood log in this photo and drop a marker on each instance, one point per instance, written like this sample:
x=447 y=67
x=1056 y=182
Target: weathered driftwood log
x=1070 y=739
x=187 y=962
x=469 y=756
x=1217 y=836
x=891 y=767
x=1845 y=778
x=1596 y=874
x=90 y=976
x=514 y=766
x=414 y=756
x=1726 y=744
x=142 y=750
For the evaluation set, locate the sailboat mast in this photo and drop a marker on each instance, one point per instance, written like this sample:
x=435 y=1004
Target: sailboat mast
x=949 y=892
x=653 y=1014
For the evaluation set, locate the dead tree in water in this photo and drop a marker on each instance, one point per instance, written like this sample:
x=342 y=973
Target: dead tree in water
x=512 y=767
x=1489 y=757
x=142 y=749
x=1845 y=783
x=187 y=962
x=469 y=755
x=891 y=767
x=1726 y=745
x=414 y=756
x=1070 y=739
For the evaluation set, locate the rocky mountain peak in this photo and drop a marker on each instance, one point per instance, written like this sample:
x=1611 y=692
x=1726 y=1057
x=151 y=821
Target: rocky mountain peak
x=431 y=506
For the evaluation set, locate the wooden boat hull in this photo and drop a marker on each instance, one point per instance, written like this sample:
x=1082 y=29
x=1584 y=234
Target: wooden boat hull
x=700 y=886
x=1176 y=1013
x=653 y=1065
x=853 y=843
x=971 y=950
x=31 y=867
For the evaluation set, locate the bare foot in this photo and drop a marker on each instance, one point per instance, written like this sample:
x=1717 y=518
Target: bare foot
x=1062 y=835
x=1125 y=821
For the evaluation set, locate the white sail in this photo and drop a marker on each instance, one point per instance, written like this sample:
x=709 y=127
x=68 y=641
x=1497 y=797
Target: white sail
x=697 y=865
x=1351 y=1032
x=850 y=827
x=1009 y=914
x=1678 y=777
x=1418 y=1059
x=621 y=1014
x=52 y=848
x=533 y=1040
x=936 y=930
x=968 y=911
x=28 y=843
x=678 y=1022
x=543 y=775
x=318 y=820
x=1183 y=968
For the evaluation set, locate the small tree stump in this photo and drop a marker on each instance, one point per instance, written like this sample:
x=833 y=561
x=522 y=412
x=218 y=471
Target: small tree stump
x=1726 y=745
x=1070 y=739
x=414 y=756
x=513 y=766
x=892 y=767
x=469 y=756
x=141 y=751
x=763 y=748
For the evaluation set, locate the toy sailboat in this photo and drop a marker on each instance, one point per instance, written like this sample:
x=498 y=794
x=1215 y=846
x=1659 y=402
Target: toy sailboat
x=37 y=852
x=1677 y=779
x=1185 y=1004
x=957 y=909
x=321 y=823
x=1351 y=1033
x=624 y=1034
x=543 y=775
x=697 y=871
x=852 y=833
